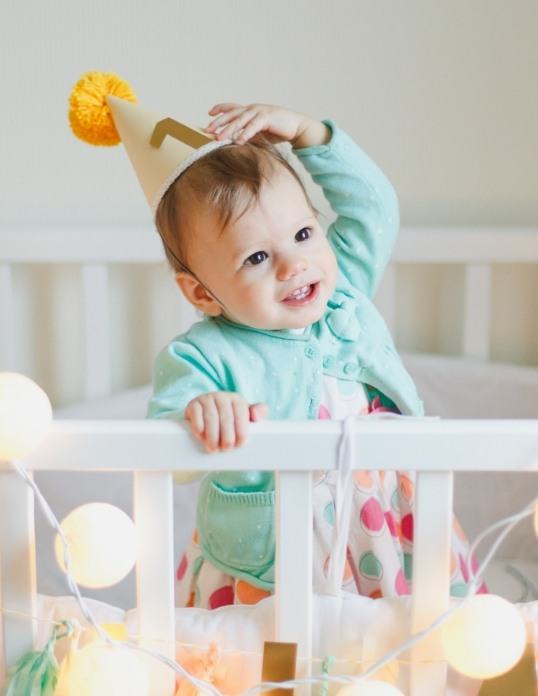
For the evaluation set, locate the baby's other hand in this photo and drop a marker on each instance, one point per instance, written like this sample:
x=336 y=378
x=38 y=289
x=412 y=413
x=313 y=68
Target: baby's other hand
x=240 y=123
x=220 y=419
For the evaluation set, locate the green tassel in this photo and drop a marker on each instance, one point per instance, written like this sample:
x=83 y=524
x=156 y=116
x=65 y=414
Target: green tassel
x=36 y=673
x=326 y=667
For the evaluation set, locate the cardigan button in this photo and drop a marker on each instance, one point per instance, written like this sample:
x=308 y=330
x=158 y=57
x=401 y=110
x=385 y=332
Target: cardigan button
x=328 y=361
x=350 y=368
x=310 y=352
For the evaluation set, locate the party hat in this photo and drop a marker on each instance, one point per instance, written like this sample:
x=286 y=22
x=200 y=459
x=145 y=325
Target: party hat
x=103 y=111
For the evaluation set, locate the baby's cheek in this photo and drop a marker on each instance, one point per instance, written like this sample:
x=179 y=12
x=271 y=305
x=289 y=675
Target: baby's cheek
x=331 y=266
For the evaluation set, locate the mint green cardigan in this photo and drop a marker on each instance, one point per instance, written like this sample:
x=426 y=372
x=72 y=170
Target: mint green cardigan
x=285 y=369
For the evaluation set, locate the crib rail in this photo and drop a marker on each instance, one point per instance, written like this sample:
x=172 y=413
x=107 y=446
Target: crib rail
x=153 y=450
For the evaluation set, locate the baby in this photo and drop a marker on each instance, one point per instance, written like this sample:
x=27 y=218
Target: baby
x=289 y=332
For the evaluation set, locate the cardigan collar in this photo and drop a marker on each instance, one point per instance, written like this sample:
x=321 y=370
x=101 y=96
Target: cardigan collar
x=286 y=334
x=340 y=316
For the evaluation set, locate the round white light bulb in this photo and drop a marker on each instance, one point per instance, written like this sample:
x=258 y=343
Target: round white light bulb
x=25 y=415
x=102 y=544
x=99 y=669
x=370 y=688
x=485 y=638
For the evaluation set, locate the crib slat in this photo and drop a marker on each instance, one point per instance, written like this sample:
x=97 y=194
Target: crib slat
x=477 y=309
x=293 y=562
x=95 y=298
x=17 y=565
x=7 y=351
x=153 y=506
x=431 y=578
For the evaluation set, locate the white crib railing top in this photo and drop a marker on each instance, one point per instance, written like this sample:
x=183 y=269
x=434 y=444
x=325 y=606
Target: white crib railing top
x=424 y=444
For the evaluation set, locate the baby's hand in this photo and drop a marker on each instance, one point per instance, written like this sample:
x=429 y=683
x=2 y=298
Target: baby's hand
x=240 y=123
x=220 y=419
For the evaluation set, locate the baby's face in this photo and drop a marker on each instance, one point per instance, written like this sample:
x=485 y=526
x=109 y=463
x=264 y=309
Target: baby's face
x=272 y=268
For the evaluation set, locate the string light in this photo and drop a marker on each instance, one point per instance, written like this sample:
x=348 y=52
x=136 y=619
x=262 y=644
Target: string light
x=25 y=415
x=98 y=669
x=356 y=681
x=485 y=638
x=102 y=544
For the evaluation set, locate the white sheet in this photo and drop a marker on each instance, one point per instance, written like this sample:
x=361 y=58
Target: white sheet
x=450 y=388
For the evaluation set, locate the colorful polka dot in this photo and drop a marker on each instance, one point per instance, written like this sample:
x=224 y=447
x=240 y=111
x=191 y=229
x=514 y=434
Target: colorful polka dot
x=407 y=527
x=182 y=567
x=407 y=488
x=348 y=573
x=364 y=480
x=249 y=594
x=372 y=517
x=328 y=514
x=195 y=536
x=190 y=603
x=400 y=583
x=474 y=564
x=370 y=566
x=408 y=566
x=463 y=567
x=376 y=594
x=391 y=524
x=458 y=589
x=323 y=413
x=395 y=501
x=459 y=531
x=198 y=562
x=221 y=597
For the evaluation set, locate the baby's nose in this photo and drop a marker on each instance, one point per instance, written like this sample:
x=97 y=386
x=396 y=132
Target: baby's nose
x=288 y=268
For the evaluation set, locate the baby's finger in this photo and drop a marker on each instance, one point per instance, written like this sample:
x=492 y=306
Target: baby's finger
x=257 y=124
x=194 y=416
x=226 y=423
x=240 y=121
x=211 y=424
x=222 y=107
x=241 y=416
x=258 y=412
x=223 y=119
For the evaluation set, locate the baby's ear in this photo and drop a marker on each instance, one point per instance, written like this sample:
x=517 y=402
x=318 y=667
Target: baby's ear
x=197 y=294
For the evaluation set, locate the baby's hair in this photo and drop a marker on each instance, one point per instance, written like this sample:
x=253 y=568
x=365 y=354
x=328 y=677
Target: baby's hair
x=225 y=179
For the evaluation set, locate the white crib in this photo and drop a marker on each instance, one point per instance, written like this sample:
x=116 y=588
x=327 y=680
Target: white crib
x=433 y=448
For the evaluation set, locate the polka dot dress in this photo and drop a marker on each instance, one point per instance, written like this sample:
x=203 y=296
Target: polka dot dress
x=379 y=555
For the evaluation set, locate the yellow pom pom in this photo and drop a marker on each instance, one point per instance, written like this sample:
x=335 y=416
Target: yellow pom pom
x=89 y=115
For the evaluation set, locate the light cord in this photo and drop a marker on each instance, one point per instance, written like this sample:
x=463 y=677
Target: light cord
x=510 y=521
x=86 y=612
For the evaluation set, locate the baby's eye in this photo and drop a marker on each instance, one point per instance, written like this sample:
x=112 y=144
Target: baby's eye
x=256 y=258
x=303 y=234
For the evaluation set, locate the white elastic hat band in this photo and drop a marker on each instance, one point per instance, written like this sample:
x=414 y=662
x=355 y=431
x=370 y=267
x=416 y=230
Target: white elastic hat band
x=196 y=154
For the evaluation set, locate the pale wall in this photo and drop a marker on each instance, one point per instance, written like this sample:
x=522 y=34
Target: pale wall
x=442 y=94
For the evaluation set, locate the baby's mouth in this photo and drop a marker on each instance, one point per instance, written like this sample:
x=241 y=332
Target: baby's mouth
x=302 y=295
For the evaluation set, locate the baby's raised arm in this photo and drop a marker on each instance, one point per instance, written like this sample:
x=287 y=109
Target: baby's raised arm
x=366 y=204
